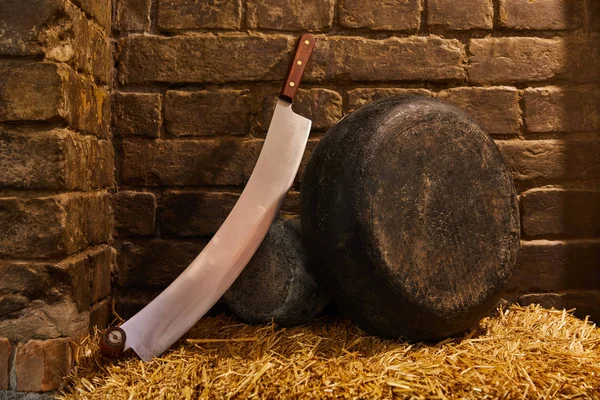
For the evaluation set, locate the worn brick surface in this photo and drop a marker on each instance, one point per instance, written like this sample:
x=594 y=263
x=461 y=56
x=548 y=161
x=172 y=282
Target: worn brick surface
x=204 y=58
x=531 y=59
x=541 y=15
x=363 y=96
x=393 y=59
x=134 y=212
x=100 y=315
x=208 y=112
x=102 y=261
x=29 y=91
x=557 y=109
x=555 y=265
x=41 y=365
x=593 y=17
x=5 y=350
x=136 y=114
x=27 y=278
x=561 y=212
x=23 y=24
x=193 y=213
x=155 y=263
x=191 y=162
x=496 y=109
x=10 y=303
x=585 y=302
x=53 y=226
x=91 y=44
x=551 y=160
x=308 y=15
x=461 y=14
x=132 y=15
x=100 y=10
x=322 y=106
x=53 y=159
x=183 y=14
x=391 y=15
x=291 y=203
x=87 y=105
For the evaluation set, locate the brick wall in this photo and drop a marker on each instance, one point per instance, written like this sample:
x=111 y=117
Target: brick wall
x=197 y=83
x=56 y=166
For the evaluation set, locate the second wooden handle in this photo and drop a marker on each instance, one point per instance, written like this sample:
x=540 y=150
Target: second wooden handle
x=304 y=48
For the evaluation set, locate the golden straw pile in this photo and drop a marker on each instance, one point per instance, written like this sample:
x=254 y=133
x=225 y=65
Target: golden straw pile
x=519 y=353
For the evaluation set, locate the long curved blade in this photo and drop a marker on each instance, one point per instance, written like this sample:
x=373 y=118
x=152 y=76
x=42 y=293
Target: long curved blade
x=170 y=315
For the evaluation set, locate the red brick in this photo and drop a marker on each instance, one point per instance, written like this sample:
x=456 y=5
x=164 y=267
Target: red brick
x=530 y=59
x=30 y=91
x=41 y=365
x=136 y=114
x=322 y=106
x=496 y=109
x=53 y=159
x=555 y=109
x=135 y=213
x=308 y=15
x=551 y=160
x=358 y=98
x=53 y=226
x=561 y=212
x=392 y=59
x=132 y=15
x=174 y=15
x=190 y=162
x=207 y=112
x=156 y=263
x=389 y=15
x=5 y=353
x=187 y=213
x=556 y=265
x=27 y=22
x=460 y=14
x=541 y=15
x=204 y=58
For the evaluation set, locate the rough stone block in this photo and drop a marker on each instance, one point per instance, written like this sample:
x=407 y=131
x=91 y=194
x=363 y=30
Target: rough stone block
x=156 y=263
x=135 y=213
x=26 y=278
x=541 y=15
x=207 y=112
x=132 y=15
x=555 y=109
x=102 y=261
x=556 y=265
x=308 y=15
x=174 y=15
x=53 y=159
x=496 y=109
x=100 y=315
x=388 y=15
x=30 y=91
x=24 y=24
x=53 y=226
x=291 y=205
x=551 y=160
x=10 y=303
x=204 y=58
x=322 y=106
x=100 y=10
x=191 y=162
x=393 y=59
x=41 y=365
x=136 y=114
x=186 y=213
x=561 y=212
x=460 y=15
x=5 y=351
x=363 y=96
x=530 y=59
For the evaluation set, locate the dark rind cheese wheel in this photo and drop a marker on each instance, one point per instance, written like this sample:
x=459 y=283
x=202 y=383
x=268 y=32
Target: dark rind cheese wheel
x=410 y=218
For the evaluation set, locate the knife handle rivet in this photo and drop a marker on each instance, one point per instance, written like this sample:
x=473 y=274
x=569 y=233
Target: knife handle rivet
x=306 y=42
x=299 y=62
x=292 y=84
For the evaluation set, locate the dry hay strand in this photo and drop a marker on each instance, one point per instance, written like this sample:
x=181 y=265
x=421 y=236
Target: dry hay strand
x=521 y=352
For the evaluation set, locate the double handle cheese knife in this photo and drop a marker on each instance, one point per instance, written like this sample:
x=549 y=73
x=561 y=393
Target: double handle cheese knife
x=173 y=312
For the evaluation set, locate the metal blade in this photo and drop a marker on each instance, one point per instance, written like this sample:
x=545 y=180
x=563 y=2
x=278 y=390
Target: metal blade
x=172 y=313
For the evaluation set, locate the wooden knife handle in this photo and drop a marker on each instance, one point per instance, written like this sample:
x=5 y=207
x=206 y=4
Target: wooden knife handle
x=304 y=48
